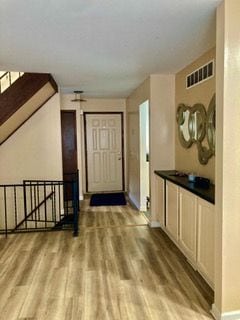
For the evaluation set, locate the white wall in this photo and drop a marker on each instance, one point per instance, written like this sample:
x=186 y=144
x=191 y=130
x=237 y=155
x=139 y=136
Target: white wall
x=34 y=151
x=92 y=105
x=144 y=150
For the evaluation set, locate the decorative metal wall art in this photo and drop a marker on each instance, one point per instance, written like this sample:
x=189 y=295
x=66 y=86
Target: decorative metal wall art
x=194 y=124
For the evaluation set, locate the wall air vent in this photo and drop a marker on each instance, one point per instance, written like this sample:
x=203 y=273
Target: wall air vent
x=200 y=75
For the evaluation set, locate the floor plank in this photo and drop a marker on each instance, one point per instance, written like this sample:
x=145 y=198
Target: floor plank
x=117 y=269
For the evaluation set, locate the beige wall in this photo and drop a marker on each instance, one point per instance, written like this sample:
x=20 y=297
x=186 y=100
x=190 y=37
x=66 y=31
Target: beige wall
x=162 y=129
x=138 y=96
x=227 y=258
x=34 y=151
x=160 y=91
x=91 y=105
x=187 y=159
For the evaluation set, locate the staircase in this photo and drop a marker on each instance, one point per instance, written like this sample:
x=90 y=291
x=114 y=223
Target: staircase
x=37 y=205
x=7 y=78
x=33 y=205
x=19 y=101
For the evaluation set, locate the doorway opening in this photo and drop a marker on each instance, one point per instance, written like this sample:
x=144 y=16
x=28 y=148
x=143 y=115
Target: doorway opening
x=144 y=157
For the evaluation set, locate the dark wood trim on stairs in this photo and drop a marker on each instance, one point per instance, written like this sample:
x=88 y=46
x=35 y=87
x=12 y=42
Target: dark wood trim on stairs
x=21 y=91
x=27 y=119
x=53 y=83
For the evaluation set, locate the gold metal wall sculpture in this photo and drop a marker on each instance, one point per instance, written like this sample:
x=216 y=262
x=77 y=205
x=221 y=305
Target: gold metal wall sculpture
x=194 y=124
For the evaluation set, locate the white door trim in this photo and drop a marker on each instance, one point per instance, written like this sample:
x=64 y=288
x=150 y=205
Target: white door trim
x=234 y=315
x=144 y=150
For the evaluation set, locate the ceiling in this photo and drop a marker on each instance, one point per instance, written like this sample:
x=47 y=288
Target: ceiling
x=108 y=47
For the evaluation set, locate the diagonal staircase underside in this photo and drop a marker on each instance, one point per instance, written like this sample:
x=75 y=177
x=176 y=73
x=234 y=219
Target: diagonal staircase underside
x=22 y=99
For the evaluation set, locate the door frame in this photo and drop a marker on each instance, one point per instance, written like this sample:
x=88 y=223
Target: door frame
x=75 y=138
x=143 y=200
x=75 y=132
x=85 y=142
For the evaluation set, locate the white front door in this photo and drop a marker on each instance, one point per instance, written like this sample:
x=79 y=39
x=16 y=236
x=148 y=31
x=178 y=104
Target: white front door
x=104 y=152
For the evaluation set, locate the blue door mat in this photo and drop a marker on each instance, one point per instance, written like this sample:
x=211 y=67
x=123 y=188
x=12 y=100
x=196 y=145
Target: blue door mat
x=108 y=199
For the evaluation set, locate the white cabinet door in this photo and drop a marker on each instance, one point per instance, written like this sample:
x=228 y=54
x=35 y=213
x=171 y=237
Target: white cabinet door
x=160 y=200
x=172 y=209
x=188 y=224
x=205 y=250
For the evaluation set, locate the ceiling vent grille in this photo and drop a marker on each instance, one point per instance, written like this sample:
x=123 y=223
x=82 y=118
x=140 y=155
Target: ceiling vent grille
x=200 y=75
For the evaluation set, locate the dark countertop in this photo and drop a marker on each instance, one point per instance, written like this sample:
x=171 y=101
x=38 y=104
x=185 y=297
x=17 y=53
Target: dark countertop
x=206 y=194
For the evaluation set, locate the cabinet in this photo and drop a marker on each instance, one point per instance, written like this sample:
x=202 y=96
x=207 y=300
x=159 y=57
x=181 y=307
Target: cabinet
x=205 y=249
x=188 y=224
x=160 y=200
x=172 y=210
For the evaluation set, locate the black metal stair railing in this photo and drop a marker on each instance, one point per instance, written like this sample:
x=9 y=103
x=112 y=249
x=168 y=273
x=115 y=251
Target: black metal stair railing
x=29 y=216
x=38 y=205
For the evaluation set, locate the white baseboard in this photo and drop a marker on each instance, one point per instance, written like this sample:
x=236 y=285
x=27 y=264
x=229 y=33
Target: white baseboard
x=143 y=208
x=154 y=224
x=133 y=200
x=233 y=315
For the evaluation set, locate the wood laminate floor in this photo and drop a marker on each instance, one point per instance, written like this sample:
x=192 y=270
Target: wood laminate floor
x=116 y=269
